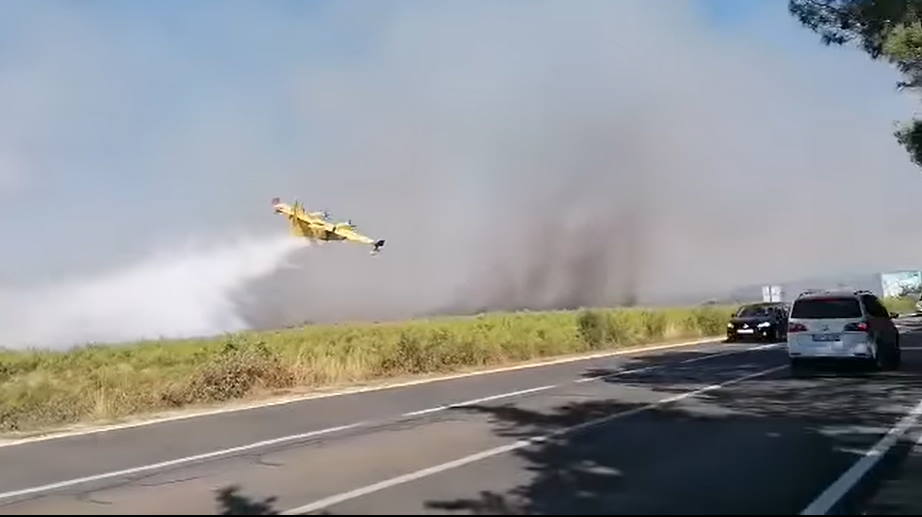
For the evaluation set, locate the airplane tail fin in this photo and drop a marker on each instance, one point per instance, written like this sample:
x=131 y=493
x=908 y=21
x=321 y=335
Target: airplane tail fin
x=377 y=246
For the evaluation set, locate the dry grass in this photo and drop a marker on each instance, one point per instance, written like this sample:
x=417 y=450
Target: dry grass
x=901 y=304
x=41 y=389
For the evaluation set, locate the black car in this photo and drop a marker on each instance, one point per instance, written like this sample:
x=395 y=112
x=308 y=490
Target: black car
x=762 y=321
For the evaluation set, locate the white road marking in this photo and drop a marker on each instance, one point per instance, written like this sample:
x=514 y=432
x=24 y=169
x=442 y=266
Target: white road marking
x=295 y=437
x=478 y=401
x=419 y=474
x=731 y=352
x=623 y=372
x=353 y=391
x=684 y=361
x=836 y=491
x=615 y=373
x=173 y=463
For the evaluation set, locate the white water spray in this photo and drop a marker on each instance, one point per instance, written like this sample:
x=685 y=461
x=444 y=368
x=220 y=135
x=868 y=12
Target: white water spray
x=170 y=295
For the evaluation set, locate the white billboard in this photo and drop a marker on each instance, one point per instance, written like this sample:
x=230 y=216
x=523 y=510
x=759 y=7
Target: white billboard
x=901 y=283
x=771 y=293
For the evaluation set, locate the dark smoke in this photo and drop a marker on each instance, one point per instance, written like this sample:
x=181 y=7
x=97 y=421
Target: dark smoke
x=513 y=154
x=611 y=154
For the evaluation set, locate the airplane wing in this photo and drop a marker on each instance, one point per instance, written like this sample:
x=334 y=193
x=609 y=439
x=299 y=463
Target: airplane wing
x=348 y=232
x=302 y=223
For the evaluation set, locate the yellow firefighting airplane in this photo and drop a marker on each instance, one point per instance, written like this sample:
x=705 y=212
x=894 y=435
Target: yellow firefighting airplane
x=316 y=226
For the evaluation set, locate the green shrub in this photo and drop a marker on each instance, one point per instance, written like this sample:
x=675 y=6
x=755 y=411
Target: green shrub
x=900 y=304
x=592 y=328
x=44 y=388
x=240 y=367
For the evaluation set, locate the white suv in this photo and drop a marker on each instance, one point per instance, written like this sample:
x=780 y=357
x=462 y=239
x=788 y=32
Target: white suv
x=842 y=325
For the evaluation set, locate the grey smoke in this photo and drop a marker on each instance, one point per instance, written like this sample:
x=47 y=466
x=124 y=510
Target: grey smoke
x=538 y=155
x=521 y=154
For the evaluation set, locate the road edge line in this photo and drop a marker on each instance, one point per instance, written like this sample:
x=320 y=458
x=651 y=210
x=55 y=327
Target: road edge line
x=319 y=432
x=841 y=487
x=271 y=402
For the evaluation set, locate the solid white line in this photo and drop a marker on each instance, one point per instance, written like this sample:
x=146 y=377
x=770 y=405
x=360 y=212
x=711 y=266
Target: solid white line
x=836 y=491
x=352 y=494
x=480 y=400
x=352 y=391
x=173 y=463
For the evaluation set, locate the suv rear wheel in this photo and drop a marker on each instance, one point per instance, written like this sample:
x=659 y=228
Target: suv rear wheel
x=798 y=367
x=888 y=357
x=894 y=356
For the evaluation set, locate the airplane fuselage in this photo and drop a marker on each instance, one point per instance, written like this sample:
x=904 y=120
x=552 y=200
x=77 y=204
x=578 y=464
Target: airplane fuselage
x=314 y=225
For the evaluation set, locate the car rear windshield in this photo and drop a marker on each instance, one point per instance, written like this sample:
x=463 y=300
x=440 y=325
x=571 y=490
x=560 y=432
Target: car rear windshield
x=823 y=308
x=752 y=311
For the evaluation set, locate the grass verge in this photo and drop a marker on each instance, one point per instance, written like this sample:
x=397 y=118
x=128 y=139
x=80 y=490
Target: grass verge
x=44 y=389
x=900 y=304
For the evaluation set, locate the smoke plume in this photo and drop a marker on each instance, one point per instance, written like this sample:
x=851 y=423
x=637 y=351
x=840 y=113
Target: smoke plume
x=189 y=292
x=512 y=154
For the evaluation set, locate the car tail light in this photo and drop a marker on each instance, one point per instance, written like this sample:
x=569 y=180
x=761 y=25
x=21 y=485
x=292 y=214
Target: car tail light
x=861 y=326
x=797 y=327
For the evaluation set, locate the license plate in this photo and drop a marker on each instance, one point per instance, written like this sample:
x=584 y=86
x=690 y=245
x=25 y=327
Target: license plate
x=827 y=337
x=745 y=331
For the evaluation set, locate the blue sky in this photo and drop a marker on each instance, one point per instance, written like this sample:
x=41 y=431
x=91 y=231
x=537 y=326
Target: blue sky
x=723 y=13
x=133 y=126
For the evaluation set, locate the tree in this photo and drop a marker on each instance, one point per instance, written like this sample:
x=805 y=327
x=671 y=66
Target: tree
x=885 y=29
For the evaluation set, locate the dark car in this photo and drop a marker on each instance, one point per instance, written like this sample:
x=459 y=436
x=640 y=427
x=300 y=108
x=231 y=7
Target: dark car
x=762 y=321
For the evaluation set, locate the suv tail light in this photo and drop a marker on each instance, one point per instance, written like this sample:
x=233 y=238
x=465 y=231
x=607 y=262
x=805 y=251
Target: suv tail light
x=797 y=327
x=861 y=326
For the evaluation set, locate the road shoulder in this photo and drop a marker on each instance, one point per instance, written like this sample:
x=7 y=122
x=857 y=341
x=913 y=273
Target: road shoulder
x=303 y=394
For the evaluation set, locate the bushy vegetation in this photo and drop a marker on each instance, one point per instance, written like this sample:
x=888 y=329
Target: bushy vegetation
x=39 y=389
x=901 y=304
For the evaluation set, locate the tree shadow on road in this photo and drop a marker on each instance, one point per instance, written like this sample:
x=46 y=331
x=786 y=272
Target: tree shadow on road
x=787 y=439
x=230 y=502
x=769 y=444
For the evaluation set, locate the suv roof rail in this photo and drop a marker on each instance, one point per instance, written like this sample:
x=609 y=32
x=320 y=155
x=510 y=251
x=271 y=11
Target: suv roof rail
x=856 y=291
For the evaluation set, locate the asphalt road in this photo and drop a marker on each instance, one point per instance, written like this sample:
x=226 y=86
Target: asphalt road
x=714 y=428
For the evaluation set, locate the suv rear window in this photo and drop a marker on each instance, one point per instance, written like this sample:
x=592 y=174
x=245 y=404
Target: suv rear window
x=752 y=311
x=826 y=308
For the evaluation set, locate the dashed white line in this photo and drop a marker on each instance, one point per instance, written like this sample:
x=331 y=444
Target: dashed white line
x=296 y=437
x=399 y=480
x=173 y=463
x=684 y=361
x=836 y=491
x=617 y=373
x=480 y=400
x=731 y=352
